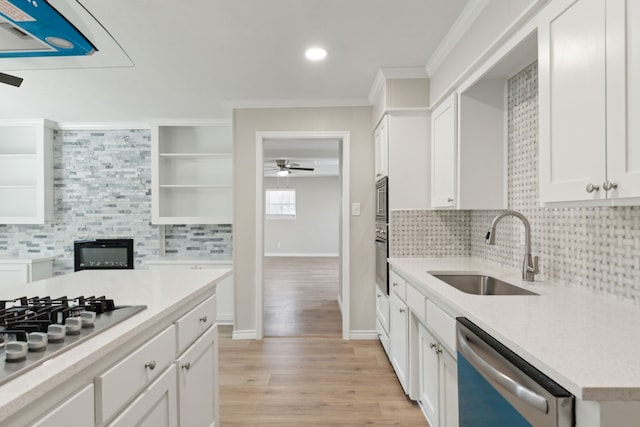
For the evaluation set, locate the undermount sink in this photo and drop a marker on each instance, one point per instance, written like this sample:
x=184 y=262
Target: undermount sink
x=478 y=284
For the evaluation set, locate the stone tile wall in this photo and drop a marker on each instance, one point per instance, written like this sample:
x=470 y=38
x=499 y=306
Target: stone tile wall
x=102 y=189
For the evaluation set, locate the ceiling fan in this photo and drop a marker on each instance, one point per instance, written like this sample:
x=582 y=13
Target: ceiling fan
x=284 y=167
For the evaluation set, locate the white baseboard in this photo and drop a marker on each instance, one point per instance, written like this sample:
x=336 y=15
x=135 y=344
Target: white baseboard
x=363 y=335
x=301 y=255
x=244 y=335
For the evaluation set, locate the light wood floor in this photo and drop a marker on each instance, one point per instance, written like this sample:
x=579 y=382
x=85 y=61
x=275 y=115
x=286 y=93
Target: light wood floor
x=310 y=381
x=303 y=373
x=301 y=296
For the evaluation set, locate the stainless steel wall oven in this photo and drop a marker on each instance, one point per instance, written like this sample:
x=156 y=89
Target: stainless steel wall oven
x=382 y=232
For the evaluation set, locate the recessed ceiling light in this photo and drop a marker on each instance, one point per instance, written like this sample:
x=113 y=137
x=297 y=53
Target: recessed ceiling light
x=315 y=53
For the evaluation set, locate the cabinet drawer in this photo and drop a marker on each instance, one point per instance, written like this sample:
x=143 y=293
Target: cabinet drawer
x=193 y=324
x=382 y=309
x=417 y=303
x=398 y=285
x=443 y=325
x=122 y=382
x=77 y=411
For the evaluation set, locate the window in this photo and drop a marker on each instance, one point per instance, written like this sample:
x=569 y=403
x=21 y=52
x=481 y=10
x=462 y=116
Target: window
x=281 y=203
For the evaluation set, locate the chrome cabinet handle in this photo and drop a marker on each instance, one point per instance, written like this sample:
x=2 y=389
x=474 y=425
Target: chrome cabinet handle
x=591 y=188
x=150 y=365
x=608 y=185
x=402 y=310
x=449 y=200
x=187 y=366
x=395 y=284
x=432 y=345
x=203 y=319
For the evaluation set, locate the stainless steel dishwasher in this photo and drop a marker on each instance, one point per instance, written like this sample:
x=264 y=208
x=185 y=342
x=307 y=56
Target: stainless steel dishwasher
x=496 y=387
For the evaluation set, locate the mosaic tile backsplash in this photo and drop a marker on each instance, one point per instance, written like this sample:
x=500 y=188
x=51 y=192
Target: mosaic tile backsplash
x=102 y=189
x=594 y=248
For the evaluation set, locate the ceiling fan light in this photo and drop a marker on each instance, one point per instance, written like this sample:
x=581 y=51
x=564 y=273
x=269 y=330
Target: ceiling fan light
x=283 y=172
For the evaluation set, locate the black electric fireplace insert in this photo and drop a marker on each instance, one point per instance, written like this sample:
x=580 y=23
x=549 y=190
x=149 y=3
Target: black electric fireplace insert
x=103 y=254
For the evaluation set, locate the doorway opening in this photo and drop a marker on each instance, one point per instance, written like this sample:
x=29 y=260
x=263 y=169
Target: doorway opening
x=302 y=233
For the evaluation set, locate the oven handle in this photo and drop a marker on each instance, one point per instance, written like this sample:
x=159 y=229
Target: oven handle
x=520 y=391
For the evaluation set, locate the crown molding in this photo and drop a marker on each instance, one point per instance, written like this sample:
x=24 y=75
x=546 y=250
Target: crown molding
x=298 y=103
x=466 y=18
x=389 y=73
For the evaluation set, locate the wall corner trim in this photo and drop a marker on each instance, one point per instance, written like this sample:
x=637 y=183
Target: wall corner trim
x=363 y=335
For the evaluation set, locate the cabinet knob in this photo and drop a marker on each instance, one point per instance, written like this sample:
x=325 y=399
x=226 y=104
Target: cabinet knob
x=591 y=188
x=449 y=200
x=379 y=296
x=395 y=284
x=203 y=319
x=432 y=345
x=402 y=310
x=608 y=185
x=150 y=365
x=187 y=366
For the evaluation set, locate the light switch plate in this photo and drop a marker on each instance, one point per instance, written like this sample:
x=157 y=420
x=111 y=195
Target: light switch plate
x=355 y=209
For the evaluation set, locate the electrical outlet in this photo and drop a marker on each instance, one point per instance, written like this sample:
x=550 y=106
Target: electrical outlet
x=278 y=245
x=355 y=208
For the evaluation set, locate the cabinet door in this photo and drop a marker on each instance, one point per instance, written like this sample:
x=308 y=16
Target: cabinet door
x=429 y=382
x=381 y=138
x=448 y=390
x=77 y=411
x=399 y=339
x=573 y=101
x=155 y=407
x=443 y=154
x=623 y=91
x=14 y=274
x=198 y=382
x=382 y=309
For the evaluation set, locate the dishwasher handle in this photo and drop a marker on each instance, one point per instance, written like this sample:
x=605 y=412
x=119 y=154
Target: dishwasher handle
x=520 y=391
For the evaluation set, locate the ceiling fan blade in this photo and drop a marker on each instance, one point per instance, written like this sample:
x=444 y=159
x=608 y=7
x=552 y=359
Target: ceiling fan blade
x=302 y=169
x=10 y=80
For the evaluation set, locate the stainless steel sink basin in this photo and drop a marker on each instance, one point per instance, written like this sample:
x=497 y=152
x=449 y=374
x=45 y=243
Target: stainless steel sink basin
x=478 y=284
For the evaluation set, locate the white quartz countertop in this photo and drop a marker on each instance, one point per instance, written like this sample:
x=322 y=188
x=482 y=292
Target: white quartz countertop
x=588 y=343
x=162 y=291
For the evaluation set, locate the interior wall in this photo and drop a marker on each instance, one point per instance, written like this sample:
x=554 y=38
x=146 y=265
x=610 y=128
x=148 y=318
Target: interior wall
x=357 y=121
x=314 y=231
x=496 y=18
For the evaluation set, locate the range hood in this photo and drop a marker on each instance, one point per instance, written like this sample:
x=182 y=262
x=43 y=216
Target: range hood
x=34 y=28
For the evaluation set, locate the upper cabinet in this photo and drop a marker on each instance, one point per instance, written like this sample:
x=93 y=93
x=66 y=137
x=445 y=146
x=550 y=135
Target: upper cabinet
x=443 y=153
x=192 y=173
x=402 y=141
x=26 y=171
x=381 y=140
x=589 y=97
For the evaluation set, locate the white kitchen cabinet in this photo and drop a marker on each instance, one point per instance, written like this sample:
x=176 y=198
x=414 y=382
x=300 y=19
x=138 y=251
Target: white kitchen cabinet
x=126 y=379
x=224 y=288
x=198 y=394
x=76 y=411
x=26 y=171
x=428 y=371
x=381 y=141
x=154 y=407
x=16 y=271
x=443 y=154
x=192 y=173
x=399 y=339
x=438 y=380
x=468 y=165
x=589 y=142
x=382 y=318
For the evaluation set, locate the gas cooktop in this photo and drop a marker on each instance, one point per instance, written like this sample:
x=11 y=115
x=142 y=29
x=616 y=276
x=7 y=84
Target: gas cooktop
x=33 y=330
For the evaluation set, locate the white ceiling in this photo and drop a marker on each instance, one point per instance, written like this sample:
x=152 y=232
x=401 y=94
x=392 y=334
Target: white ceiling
x=201 y=58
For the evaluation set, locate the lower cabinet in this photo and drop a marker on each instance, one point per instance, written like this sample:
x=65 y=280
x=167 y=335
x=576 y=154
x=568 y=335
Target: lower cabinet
x=399 y=339
x=76 y=411
x=155 y=406
x=197 y=382
x=20 y=271
x=422 y=352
